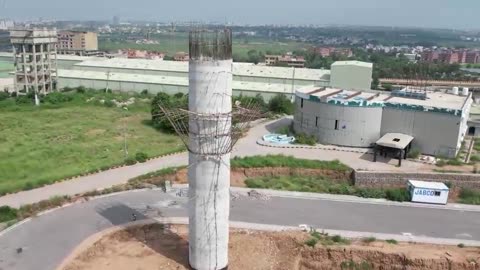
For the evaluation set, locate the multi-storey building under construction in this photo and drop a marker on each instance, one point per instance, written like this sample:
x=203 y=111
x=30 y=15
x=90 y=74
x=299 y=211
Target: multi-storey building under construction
x=35 y=59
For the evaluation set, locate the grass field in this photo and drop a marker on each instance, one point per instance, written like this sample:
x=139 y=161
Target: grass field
x=169 y=44
x=469 y=196
x=286 y=161
x=319 y=184
x=41 y=145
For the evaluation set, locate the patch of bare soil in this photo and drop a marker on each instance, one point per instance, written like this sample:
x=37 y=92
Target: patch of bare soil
x=95 y=132
x=159 y=247
x=239 y=175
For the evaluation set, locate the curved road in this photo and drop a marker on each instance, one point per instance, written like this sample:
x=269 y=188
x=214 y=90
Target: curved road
x=47 y=239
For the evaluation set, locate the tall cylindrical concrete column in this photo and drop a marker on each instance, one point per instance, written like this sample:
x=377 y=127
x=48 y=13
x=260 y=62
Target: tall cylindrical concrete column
x=210 y=104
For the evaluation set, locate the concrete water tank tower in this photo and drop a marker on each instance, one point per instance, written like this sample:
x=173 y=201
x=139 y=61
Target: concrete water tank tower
x=465 y=91
x=209 y=128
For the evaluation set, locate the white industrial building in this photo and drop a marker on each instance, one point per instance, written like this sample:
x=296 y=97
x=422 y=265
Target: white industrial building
x=170 y=76
x=437 y=121
x=351 y=75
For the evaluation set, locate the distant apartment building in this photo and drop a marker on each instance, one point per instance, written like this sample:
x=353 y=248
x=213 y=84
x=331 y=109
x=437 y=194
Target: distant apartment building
x=141 y=54
x=330 y=51
x=78 y=43
x=472 y=57
x=271 y=60
x=450 y=56
x=288 y=60
x=181 y=56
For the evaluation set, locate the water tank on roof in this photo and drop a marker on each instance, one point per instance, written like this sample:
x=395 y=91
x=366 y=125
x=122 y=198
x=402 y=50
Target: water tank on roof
x=454 y=91
x=465 y=91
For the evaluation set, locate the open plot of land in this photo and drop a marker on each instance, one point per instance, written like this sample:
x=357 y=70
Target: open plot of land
x=157 y=247
x=170 y=44
x=41 y=145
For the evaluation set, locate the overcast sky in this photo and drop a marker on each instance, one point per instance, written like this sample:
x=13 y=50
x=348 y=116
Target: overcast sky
x=464 y=14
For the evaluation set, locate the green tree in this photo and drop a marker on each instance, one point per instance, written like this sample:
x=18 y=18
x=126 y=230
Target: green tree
x=166 y=101
x=375 y=83
x=387 y=86
x=281 y=104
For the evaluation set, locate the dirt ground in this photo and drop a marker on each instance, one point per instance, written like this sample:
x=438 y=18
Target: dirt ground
x=166 y=247
x=239 y=175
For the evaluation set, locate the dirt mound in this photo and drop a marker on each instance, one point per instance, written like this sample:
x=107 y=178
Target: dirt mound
x=159 y=247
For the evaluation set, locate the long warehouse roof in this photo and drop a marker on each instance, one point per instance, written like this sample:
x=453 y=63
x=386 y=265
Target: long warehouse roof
x=169 y=80
x=239 y=69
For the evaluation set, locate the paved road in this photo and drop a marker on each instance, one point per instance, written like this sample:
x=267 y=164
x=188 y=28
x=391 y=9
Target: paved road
x=246 y=147
x=48 y=238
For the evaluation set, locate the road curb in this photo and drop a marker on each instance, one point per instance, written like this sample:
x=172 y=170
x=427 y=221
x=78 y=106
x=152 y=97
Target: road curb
x=261 y=142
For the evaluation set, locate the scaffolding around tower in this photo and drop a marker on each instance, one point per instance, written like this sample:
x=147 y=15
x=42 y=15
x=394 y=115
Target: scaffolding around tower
x=222 y=129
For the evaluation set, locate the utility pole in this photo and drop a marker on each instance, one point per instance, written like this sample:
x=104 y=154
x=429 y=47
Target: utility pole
x=125 y=148
x=108 y=79
x=293 y=85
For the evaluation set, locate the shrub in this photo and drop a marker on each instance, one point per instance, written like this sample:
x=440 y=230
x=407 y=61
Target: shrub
x=178 y=95
x=7 y=213
x=441 y=163
x=158 y=119
x=455 y=162
x=475 y=158
x=340 y=240
x=281 y=104
x=387 y=86
x=461 y=245
x=81 y=90
x=316 y=235
x=144 y=92
x=130 y=161
x=249 y=101
x=57 y=98
x=141 y=157
x=109 y=103
x=25 y=99
x=311 y=242
x=370 y=193
x=302 y=138
x=392 y=241
x=414 y=153
x=399 y=195
x=369 y=239
x=4 y=95
x=469 y=196
x=28 y=186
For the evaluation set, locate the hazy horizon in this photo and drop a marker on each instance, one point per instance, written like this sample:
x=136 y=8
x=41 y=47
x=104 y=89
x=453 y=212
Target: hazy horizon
x=407 y=13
